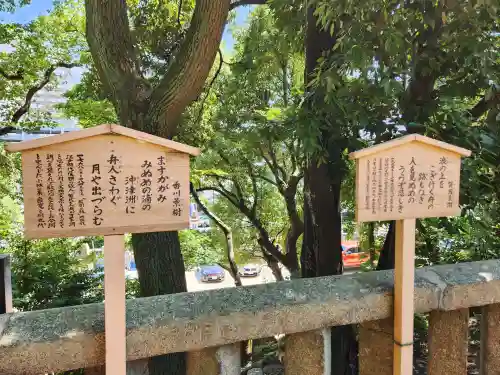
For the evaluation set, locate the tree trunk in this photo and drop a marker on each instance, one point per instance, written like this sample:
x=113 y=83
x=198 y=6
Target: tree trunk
x=307 y=257
x=324 y=201
x=295 y=230
x=156 y=110
x=161 y=270
x=276 y=270
x=273 y=264
x=371 y=242
x=322 y=193
x=386 y=259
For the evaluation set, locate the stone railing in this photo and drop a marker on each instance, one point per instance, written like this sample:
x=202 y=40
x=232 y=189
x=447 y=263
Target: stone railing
x=210 y=324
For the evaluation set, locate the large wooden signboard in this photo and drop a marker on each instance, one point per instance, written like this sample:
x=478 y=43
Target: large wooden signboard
x=413 y=176
x=108 y=180
x=104 y=181
x=404 y=179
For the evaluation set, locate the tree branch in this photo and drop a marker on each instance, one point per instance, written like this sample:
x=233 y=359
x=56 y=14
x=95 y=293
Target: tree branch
x=279 y=181
x=484 y=105
x=264 y=239
x=277 y=166
x=23 y=109
x=207 y=212
x=114 y=54
x=235 y=182
x=6 y=130
x=268 y=180
x=222 y=192
x=187 y=74
x=238 y=3
x=293 y=155
x=19 y=76
x=233 y=268
x=255 y=191
x=179 y=11
x=217 y=72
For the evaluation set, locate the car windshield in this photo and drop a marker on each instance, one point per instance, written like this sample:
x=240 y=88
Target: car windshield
x=211 y=269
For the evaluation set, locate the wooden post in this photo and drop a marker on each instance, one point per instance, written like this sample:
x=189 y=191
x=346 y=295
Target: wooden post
x=114 y=305
x=404 y=278
x=5 y=284
x=406 y=178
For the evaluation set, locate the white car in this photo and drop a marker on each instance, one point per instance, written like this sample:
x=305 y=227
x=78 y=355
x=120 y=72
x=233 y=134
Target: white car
x=250 y=270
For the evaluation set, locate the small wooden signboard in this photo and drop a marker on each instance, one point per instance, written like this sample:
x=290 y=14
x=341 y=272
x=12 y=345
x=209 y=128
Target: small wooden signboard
x=407 y=178
x=107 y=180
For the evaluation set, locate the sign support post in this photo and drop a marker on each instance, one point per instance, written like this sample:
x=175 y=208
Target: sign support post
x=114 y=304
x=404 y=179
x=404 y=279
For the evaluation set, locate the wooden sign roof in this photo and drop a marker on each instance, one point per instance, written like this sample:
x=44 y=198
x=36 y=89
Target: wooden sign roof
x=102 y=130
x=406 y=140
x=104 y=180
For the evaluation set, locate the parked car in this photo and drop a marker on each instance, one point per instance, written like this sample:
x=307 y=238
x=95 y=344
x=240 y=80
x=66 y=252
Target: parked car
x=352 y=256
x=211 y=273
x=250 y=270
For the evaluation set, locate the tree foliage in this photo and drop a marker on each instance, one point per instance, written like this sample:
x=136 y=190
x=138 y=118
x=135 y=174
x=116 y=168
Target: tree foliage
x=50 y=273
x=199 y=249
x=36 y=51
x=258 y=153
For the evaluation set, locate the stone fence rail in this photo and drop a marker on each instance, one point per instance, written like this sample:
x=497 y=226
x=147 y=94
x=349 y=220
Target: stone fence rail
x=211 y=321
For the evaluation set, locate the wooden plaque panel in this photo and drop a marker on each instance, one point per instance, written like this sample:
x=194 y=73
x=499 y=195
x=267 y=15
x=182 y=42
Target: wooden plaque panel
x=102 y=185
x=413 y=180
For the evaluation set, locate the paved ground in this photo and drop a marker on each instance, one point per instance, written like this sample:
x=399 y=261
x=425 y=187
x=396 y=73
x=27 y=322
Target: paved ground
x=194 y=284
x=266 y=276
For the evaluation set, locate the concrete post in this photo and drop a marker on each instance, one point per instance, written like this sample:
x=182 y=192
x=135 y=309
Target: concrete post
x=376 y=347
x=308 y=353
x=225 y=360
x=490 y=340
x=448 y=342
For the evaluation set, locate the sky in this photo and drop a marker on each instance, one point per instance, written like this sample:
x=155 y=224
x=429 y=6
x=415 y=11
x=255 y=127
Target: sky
x=28 y=12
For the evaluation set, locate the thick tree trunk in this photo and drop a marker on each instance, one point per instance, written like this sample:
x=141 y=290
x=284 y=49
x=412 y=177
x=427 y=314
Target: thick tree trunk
x=322 y=196
x=161 y=270
x=322 y=180
x=324 y=201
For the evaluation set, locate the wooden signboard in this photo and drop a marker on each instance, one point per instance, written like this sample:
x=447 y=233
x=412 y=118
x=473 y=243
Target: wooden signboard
x=404 y=179
x=104 y=180
x=108 y=180
x=412 y=176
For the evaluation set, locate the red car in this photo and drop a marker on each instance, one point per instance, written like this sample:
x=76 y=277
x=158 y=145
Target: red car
x=352 y=256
